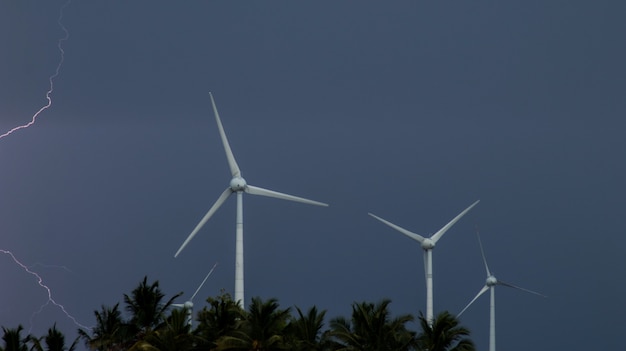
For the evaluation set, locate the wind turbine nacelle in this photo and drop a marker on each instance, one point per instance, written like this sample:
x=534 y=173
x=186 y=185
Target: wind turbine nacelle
x=238 y=184
x=491 y=281
x=428 y=244
x=188 y=305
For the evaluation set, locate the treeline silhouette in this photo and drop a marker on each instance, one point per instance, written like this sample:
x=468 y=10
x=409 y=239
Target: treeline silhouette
x=152 y=323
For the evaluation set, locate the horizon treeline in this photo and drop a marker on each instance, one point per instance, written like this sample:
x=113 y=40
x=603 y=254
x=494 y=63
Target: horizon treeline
x=146 y=321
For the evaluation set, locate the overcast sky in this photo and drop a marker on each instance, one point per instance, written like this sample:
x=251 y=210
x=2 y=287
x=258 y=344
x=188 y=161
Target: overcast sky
x=406 y=109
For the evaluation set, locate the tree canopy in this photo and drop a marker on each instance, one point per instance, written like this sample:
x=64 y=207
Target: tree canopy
x=150 y=322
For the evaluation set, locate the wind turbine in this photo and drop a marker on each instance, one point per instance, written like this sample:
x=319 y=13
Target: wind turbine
x=188 y=305
x=238 y=186
x=428 y=244
x=490 y=284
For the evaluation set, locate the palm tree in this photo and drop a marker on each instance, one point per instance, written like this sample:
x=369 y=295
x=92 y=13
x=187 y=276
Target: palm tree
x=173 y=335
x=222 y=318
x=54 y=341
x=445 y=334
x=371 y=328
x=262 y=328
x=111 y=332
x=305 y=332
x=146 y=306
x=13 y=340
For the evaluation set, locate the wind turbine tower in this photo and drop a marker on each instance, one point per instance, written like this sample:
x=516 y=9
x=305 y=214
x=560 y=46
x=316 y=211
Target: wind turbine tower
x=428 y=244
x=238 y=186
x=188 y=305
x=490 y=285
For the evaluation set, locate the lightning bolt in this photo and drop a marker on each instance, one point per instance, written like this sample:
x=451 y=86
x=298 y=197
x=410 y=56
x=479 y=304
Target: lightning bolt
x=50 y=299
x=50 y=266
x=32 y=121
x=51 y=78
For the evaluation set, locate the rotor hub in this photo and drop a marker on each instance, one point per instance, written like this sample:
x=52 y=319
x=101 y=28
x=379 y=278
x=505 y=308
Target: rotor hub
x=491 y=281
x=189 y=305
x=428 y=244
x=238 y=184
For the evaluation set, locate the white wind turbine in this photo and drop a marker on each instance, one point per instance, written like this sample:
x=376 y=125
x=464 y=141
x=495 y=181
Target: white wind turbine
x=188 y=305
x=428 y=244
x=238 y=186
x=490 y=284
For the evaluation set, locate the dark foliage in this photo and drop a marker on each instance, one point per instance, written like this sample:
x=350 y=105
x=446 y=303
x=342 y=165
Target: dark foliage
x=153 y=324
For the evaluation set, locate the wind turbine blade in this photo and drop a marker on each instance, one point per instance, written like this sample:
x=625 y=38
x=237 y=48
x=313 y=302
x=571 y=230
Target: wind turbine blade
x=255 y=190
x=519 y=288
x=425 y=255
x=443 y=230
x=180 y=305
x=206 y=217
x=201 y=284
x=482 y=291
x=482 y=252
x=234 y=168
x=411 y=235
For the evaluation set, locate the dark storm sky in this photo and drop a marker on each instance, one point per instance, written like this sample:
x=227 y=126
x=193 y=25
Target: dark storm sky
x=406 y=109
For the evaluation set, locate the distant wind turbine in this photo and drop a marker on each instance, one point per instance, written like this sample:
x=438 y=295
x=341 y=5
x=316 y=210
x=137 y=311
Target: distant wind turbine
x=238 y=186
x=188 y=305
x=428 y=244
x=490 y=284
